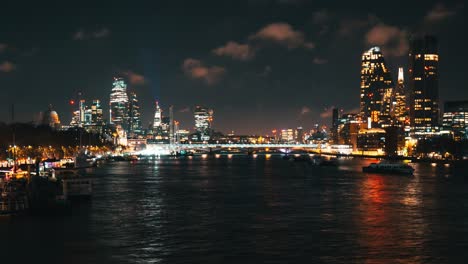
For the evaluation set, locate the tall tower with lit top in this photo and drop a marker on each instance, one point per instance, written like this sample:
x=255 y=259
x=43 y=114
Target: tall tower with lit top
x=399 y=99
x=376 y=88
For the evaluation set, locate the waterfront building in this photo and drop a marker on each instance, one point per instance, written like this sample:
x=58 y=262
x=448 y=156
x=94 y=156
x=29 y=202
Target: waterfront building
x=376 y=88
x=299 y=135
x=424 y=85
x=348 y=128
x=136 y=144
x=134 y=116
x=455 y=119
x=172 y=128
x=119 y=103
x=287 y=135
x=182 y=135
x=334 y=128
x=203 y=122
x=371 y=141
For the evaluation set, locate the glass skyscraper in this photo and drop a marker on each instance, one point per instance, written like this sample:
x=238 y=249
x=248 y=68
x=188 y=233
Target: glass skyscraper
x=119 y=104
x=376 y=88
x=134 y=116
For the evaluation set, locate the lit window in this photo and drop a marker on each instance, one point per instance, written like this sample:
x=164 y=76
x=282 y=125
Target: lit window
x=431 y=57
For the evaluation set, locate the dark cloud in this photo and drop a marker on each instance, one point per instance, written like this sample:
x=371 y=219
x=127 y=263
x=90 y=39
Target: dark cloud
x=195 y=69
x=305 y=110
x=135 y=78
x=283 y=33
x=394 y=41
x=319 y=61
x=236 y=51
x=82 y=34
x=439 y=13
x=352 y=26
x=327 y=113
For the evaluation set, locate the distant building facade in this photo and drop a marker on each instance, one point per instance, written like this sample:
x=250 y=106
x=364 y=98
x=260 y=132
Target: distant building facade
x=455 y=119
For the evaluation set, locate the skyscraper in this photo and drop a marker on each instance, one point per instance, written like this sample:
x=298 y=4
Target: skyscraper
x=82 y=109
x=171 y=125
x=376 y=88
x=96 y=113
x=203 y=120
x=335 y=122
x=119 y=103
x=424 y=84
x=134 y=115
x=399 y=99
x=157 y=117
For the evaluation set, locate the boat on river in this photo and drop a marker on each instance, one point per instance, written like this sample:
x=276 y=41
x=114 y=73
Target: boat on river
x=76 y=186
x=388 y=167
x=13 y=198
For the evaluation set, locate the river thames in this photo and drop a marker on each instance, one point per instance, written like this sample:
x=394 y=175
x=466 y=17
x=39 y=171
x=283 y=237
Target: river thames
x=241 y=209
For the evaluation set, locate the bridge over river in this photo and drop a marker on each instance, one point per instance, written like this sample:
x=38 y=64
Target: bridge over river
x=166 y=149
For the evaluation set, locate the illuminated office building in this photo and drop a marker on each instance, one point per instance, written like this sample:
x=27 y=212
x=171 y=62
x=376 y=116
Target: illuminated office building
x=287 y=135
x=119 y=103
x=424 y=85
x=455 y=119
x=348 y=127
x=376 y=88
x=75 y=121
x=203 y=121
x=82 y=109
x=97 y=113
x=88 y=117
x=135 y=127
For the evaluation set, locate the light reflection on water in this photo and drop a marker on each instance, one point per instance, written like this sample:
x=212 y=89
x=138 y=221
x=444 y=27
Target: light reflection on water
x=263 y=209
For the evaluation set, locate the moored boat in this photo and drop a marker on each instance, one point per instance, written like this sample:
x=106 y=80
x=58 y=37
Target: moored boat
x=13 y=199
x=76 y=186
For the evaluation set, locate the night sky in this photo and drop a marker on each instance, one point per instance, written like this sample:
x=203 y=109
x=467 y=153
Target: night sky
x=260 y=64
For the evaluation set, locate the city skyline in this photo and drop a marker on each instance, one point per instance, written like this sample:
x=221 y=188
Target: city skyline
x=274 y=72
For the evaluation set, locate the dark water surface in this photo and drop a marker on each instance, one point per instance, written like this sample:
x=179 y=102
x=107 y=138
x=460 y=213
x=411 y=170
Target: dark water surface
x=247 y=210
